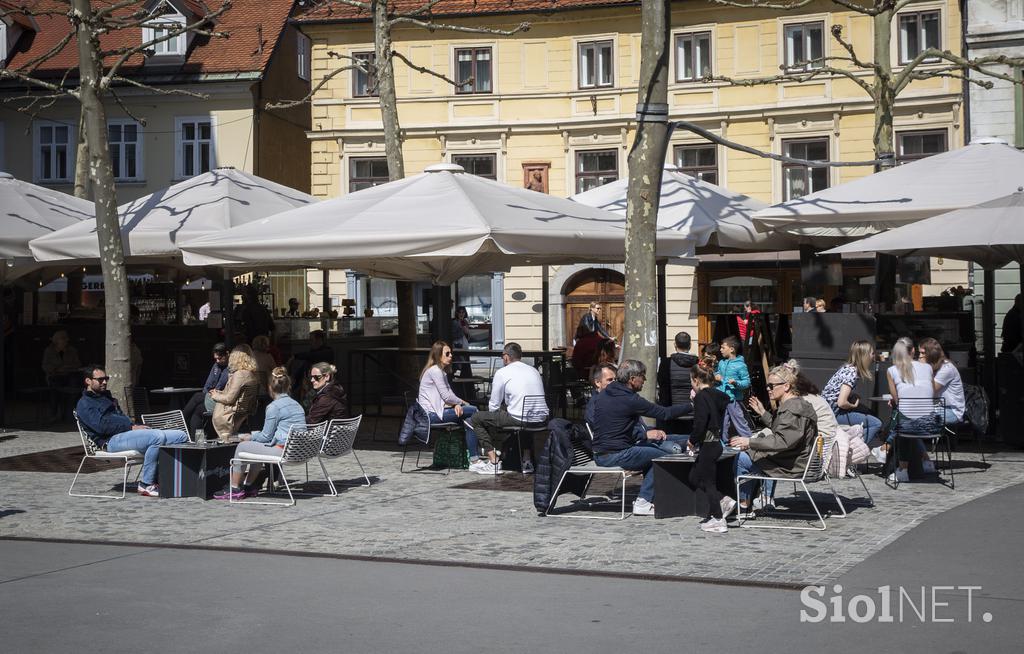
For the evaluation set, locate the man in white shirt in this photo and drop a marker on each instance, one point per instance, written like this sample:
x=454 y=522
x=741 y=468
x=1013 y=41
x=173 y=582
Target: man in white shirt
x=511 y=385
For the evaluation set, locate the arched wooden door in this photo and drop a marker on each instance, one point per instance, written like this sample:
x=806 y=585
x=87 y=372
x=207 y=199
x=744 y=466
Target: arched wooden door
x=595 y=285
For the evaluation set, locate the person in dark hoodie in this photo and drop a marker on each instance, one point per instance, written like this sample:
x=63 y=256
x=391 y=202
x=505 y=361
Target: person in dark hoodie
x=674 y=387
x=617 y=413
x=709 y=405
x=330 y=400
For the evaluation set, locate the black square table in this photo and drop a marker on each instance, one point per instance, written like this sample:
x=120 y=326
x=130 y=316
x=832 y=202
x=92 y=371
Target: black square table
x=194 y=470
x=674 y=496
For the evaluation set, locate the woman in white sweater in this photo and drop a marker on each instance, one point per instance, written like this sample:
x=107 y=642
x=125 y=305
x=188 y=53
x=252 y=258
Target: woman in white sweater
x=439 y=401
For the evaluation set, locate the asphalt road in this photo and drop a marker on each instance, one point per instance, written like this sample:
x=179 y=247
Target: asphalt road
x=101 y=598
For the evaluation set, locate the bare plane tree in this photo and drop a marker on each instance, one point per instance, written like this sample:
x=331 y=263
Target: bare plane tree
x=101 y=72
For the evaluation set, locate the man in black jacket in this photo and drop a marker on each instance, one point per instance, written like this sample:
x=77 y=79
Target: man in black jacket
x=617 y=422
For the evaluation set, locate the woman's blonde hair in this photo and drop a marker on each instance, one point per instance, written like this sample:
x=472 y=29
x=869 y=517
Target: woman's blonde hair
x=280 y=383
x=324 y=368
x=903 y=358
x=787 y=375
x=862 y=357
x=242 y=360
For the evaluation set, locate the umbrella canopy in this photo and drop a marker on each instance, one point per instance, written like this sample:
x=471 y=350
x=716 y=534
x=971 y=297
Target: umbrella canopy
x=28 y=211
x=438 y=225
x=990 y=234
x=715 y=217
x=982 y=171
x=154 y=225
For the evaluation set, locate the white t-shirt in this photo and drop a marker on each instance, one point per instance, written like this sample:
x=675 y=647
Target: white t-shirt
x=948 y=377
x=920 y=387
x=511 y=384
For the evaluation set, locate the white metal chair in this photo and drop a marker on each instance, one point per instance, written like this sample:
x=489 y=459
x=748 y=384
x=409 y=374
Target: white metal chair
x=816 y=471
x=128 y=457
x=921 y=419
x=583 y=464
x=339 y=440
x=303 y=444
x=167 y=420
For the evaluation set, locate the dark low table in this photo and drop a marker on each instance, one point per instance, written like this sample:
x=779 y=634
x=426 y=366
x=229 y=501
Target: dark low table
x=194 y=470
x=674 y=496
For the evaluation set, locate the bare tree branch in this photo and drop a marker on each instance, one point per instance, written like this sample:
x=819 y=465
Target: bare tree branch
x=288 y=104
x=909 y=72
x=42 y=84
x=431 y=26
x=423 y=69
x=128 y=112
x=139 y=85
x=425 y=9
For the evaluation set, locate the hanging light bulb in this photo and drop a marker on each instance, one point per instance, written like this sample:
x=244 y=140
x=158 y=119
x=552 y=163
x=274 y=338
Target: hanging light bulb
x=62 y=275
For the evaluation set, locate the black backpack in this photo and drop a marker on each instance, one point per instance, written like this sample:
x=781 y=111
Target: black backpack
x=976 y=408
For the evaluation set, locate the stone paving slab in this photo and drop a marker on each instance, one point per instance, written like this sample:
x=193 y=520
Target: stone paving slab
x=420 y=517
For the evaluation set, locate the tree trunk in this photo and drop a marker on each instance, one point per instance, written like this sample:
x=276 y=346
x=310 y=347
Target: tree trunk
x=885 y=94
x=115 y=278
x=82 y=187
x=646 y=161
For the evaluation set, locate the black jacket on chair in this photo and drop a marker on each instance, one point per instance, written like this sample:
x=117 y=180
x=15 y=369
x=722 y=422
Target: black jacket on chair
x=555 y=459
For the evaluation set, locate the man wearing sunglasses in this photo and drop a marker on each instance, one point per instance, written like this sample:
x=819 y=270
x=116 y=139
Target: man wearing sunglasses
x=111 y=430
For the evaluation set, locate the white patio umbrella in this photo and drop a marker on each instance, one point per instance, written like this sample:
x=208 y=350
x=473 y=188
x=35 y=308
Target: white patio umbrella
x=956 y=179
x=715 y=217
x=154 y=225
x=438 y=225
x=28 y=211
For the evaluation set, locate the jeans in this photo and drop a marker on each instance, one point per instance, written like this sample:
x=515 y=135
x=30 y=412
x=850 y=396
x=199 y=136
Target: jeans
x=673 y=443
x=472 y=443
x=746 y=466
x=148 y=442
x=872 y=425
x=735 y=415
x=637 y=457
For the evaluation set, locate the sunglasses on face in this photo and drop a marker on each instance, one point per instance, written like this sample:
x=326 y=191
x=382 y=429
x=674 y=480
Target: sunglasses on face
x=100 y=379
x=446 y=354
x=773 y=385
x=317 y=377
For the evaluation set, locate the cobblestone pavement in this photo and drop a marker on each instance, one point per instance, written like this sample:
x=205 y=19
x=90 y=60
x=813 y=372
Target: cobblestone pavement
x=426 y=518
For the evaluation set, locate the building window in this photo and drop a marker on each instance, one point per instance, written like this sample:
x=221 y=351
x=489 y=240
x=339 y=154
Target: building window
x=700 y=161
x=797 y=179
x=364 y=172
x=805 y=46
x=596 y=168
x=481 y=165
x=55 y=151
x=595 y=63
x=918 y=31
x=158 y=33
x=124 y=138
x=473 y=70
x=195 y=147
x=364 y=82
x=911 y=146
x=693 y=56
x=302 y=53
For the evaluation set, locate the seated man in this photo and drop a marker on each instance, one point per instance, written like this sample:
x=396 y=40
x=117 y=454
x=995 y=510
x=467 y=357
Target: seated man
x=620 y=438
x=600 y=376
x=201 y=402
x=113 y=431
x=511 y=384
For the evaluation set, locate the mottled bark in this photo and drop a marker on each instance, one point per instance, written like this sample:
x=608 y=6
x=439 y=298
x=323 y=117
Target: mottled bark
x=386 y=90
x=115 y=278
x=83 y=189
x=884 y=89
x=646 y=161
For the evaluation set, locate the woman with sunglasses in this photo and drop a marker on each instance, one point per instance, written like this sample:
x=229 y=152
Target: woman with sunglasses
x=330 y=400
x=438 y=400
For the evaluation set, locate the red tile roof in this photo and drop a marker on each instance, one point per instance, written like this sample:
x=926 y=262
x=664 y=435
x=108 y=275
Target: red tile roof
x=326 y=11
x=253 y=26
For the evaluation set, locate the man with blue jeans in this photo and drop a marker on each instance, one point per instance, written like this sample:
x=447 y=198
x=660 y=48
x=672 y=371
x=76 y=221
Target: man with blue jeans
x=113 y=431
x=616 y=414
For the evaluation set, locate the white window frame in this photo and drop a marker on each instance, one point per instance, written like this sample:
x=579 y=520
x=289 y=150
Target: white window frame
x=304 y=55
x=678 y=64
x=594 y=42
x=782 y=139
x=177 y=46
x=784 y=44
x=897 y=46
x=356 y=73
x=179 y=163
x=140 y=174
x=37 y=161
x=455 y=67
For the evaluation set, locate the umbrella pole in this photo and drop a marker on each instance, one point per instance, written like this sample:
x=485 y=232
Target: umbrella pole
x=662 y=312
x=988 y=335
x=3 y=362
x=545 y=303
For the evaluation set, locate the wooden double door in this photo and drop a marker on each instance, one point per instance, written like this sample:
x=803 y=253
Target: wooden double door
x=595 y=285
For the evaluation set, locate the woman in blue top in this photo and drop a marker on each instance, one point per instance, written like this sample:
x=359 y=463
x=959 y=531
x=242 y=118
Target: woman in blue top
x=282 y=414
x=733 y=379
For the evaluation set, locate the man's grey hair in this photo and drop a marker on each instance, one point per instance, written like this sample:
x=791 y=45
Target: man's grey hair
x=629 y=369
x=513 y=350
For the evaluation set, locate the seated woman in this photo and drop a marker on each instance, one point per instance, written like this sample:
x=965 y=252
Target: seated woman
x=783 y=448
x=238 y=399
x=441 y=404
x=329 y=399
x=282 y=414
x=907 y=379
x=839 y=390
x=946 y=380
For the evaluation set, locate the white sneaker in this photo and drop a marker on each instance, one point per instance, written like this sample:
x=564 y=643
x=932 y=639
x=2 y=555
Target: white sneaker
x=762 y=503
x=727 y=504
x=928 y=467
x=482 y=467
x=900 y=476
x=642 y=507
x=715 y=526
x=527 y=467
x=879 y=454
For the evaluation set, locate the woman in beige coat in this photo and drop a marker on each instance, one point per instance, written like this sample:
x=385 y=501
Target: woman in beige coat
x=238 y=399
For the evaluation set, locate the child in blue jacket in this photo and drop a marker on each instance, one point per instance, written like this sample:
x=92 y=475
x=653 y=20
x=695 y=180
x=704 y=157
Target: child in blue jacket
x=733 y=380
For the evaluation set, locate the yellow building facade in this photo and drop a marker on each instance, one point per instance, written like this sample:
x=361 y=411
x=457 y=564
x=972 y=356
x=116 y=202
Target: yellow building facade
x=555 y=106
